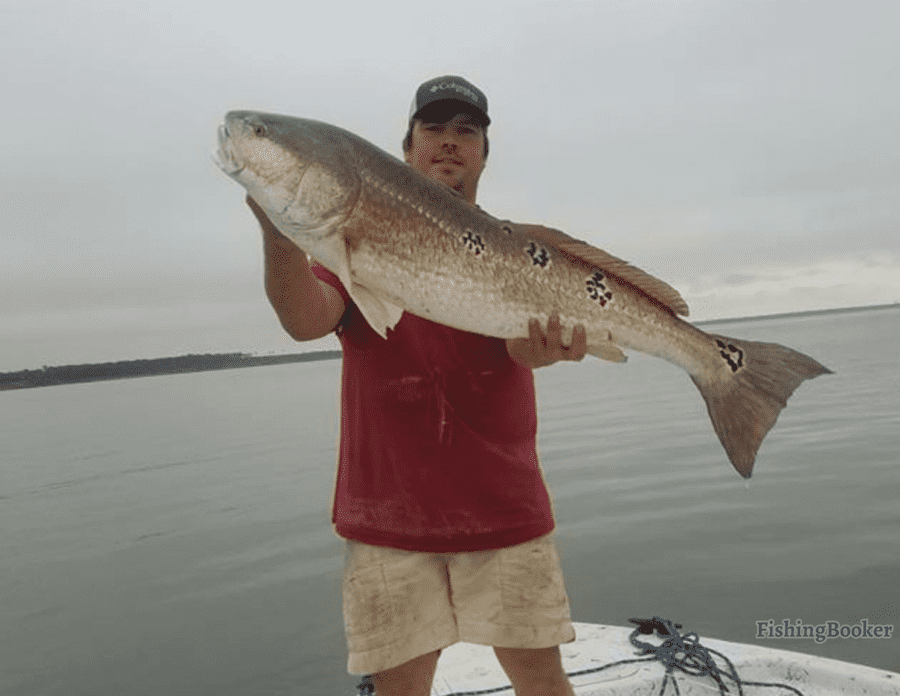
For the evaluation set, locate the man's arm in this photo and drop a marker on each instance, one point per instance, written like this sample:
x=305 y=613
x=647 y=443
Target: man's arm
x=306 y=307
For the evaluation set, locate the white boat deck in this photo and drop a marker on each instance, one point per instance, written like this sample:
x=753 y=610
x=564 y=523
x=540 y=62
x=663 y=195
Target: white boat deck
x=465 y=668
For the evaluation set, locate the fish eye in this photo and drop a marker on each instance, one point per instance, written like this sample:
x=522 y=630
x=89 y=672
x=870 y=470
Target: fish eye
x=259 y=130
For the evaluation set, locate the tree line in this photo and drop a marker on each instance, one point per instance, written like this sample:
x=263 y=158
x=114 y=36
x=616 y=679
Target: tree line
x=68 y=374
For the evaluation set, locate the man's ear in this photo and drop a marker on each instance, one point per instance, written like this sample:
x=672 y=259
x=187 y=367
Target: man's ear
x=407 y=143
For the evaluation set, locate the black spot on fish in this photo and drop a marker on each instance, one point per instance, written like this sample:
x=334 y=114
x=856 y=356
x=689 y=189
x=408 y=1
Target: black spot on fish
x=539 y=255
x=507 y=229
x=597 y=290
x=473 y=242
x=732 y=355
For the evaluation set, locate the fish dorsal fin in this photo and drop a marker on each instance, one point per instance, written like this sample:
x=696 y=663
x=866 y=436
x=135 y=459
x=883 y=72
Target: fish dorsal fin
x=659 y=290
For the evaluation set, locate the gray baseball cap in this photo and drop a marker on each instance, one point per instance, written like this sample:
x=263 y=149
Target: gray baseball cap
x=450 y=87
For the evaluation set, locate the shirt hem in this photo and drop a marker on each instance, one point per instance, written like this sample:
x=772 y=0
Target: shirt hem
x=474 y=542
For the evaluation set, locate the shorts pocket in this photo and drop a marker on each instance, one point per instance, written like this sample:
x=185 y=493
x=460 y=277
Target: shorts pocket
x=367 y=605
x=531 y=578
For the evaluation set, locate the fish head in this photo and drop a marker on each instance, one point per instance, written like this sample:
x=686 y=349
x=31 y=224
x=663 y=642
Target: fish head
x=301 y=172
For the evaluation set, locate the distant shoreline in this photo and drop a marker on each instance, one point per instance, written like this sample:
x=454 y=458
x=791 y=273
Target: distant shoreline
x=123 y=369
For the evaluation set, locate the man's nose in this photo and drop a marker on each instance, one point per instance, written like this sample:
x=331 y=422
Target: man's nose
x=448 y=139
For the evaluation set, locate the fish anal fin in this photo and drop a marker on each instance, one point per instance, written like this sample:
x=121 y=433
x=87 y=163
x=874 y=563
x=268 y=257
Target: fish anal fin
x=744 y=400
x=605 y=349
x=659 y=290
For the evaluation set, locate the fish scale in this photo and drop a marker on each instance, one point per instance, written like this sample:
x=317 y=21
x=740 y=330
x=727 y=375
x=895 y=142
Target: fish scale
x=399 y=242
x=513 y=272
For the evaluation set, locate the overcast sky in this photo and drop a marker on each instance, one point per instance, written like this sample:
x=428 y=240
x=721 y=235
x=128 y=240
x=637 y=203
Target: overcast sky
x=747 y=152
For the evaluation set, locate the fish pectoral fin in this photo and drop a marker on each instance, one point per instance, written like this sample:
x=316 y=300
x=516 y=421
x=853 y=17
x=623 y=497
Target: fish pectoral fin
x=381 y=314
x=330 y=250
x=605 y=349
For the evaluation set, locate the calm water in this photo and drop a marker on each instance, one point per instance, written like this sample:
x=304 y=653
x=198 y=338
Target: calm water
x=170 y=535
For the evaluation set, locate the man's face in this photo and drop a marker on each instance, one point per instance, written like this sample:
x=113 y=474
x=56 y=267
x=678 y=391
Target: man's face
x=449 y=151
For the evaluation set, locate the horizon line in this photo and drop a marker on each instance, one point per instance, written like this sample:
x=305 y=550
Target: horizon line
x=749 y=318
x=804 y=312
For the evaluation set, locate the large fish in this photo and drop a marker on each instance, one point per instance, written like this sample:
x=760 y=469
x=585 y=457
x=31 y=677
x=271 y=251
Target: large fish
x=402 y=242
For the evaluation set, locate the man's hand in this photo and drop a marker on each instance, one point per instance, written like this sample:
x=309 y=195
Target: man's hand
x=258 y=212
x=270 y=232
x=541 y=349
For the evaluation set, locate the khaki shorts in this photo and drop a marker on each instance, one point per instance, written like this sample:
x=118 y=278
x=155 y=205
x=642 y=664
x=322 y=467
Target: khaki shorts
x=402 y=604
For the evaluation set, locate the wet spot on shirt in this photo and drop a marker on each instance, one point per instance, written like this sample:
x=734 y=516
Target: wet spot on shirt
x=408 y=389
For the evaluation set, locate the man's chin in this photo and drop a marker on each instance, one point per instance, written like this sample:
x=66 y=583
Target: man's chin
x=452 y=183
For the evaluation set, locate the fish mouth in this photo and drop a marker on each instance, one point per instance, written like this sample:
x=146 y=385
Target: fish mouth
x=224 y=156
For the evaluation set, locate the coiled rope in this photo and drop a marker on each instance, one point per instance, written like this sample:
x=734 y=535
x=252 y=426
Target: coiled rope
x=677 y=652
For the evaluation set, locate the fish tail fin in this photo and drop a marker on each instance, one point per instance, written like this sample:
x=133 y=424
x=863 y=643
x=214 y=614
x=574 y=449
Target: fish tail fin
x=745 y=397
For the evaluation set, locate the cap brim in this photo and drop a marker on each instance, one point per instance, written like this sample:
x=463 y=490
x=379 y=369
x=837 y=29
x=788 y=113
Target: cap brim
x=443 y=110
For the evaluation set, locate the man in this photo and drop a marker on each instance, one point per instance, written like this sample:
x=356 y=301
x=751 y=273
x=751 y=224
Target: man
x=439 y=493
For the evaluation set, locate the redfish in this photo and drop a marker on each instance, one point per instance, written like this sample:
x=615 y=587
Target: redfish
x=402 y=242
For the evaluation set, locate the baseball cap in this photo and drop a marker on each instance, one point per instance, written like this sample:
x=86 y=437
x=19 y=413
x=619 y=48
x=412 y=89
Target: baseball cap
x=450 y=87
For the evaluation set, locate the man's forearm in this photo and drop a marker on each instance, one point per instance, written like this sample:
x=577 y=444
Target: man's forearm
x=293 y=291
x=288 y=278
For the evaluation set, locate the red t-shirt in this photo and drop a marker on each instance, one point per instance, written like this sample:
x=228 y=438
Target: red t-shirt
x=438 y=429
